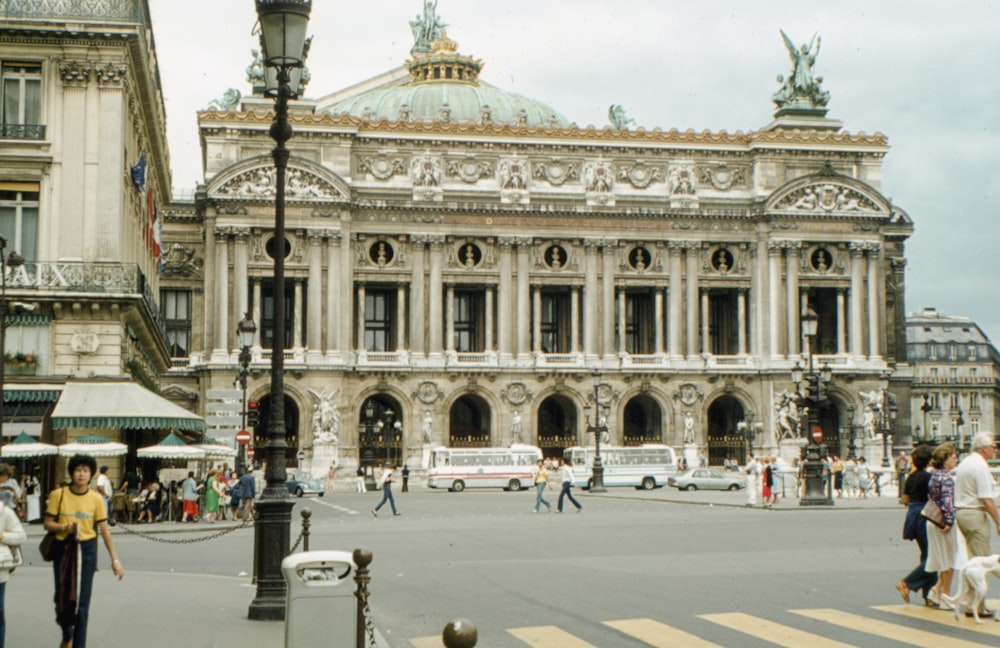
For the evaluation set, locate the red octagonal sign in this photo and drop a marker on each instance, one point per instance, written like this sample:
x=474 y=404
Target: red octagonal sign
x=242 y=437
x=817 y=434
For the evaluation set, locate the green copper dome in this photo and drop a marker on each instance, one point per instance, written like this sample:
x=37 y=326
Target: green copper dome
x=444 y=87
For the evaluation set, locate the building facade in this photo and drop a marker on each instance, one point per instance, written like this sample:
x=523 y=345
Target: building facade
x=956 y=387
x=466 y=259
x=82 y=106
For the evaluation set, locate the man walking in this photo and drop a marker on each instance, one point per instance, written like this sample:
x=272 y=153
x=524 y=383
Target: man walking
x=751 y=470
x=385 y=481
x=566 y=474
x=974 y=503
x=105 y=489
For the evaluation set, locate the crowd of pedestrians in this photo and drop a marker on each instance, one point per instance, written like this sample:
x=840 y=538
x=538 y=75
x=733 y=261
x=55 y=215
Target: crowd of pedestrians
x=963 y=491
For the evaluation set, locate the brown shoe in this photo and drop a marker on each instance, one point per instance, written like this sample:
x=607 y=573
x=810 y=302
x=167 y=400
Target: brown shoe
x=904 y=591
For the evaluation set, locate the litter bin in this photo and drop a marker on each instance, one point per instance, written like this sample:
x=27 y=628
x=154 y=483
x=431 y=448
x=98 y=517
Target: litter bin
x=321 y=599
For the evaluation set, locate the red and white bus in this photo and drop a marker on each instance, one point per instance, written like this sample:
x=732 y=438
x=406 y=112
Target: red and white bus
x=510 y=468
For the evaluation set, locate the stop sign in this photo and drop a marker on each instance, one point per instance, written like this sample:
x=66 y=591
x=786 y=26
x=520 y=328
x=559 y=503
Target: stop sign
x=250 y=452
x=817 y=432
x=242 y=437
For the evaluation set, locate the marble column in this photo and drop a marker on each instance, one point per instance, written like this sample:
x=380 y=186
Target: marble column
x=874 y=310
x=590 y=300
x=297 y=314
x=774 y=298
x=536 y=319
x=222 y=297
x=574 y=315
x=505 y=301
x=793 y=311
x=360 y=342
x=523 y=300
x=691 y=251
x=436 y=304
x=401 y=317
x=741 y=321
x=488 y=345
x=334 y=296
x=314 y=302
x=658 y=321
x=418 y=316
x=857 y=304
x=675 y=298
x=449 y=318
x=622 y=320
x=706 y=340
x=241 y=264
x=841 y=322
x=608 y=299
x=210 y=274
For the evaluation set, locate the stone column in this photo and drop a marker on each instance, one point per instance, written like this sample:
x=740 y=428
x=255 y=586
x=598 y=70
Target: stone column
x=257 y=301
x=536 y=319
x=691 y=249
x=360 y=341
x=334 y=297
x=436 y=304
x=706 y=341
x=874 y=311
x=793 y=312
x=449 y=317
x=488 y=345
x=608 y=300
x=222 y=297
x=314 y=302
x=774 y=298
x=241 y=262
x=857 y=304
x=417 y=314
x=297 y=317
x=523 y=301
x=210 y=273
x=658 y=321
x=758 y=308
x=841 y=323
x=401 y=317
x=741 y=321
x=675 y=298
x=505 y=301
x=622 y=321
x=590 y=300
x=574 y=314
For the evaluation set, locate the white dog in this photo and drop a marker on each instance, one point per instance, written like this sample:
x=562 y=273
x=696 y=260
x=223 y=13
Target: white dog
x=972 y=577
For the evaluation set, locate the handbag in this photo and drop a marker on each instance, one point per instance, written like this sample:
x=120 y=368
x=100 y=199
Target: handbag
x=47 y=546
x=10 y=557
x=933 y=514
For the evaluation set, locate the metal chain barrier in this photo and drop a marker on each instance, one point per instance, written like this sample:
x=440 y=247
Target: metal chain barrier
x=204 y=538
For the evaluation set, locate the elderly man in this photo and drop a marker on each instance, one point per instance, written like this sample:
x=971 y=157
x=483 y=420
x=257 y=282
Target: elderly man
x=974 y=501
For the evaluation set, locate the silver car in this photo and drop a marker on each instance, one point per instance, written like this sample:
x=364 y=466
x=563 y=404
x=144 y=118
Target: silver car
x=706 y=479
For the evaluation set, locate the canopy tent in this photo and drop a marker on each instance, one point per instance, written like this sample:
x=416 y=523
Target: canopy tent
x=94 y=446
x=120 y=405
x=25 y=446
x=215 y=449
x=172 y=447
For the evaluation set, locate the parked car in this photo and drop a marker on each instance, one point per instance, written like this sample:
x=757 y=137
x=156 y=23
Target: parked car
x=302 y=483
x=706 y=479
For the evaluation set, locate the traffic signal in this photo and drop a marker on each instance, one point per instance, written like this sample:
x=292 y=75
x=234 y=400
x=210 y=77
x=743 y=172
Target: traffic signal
x=814 y=387
x=253 y=414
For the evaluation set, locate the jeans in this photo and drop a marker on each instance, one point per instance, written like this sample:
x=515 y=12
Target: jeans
x=387 y=497
x=88 y=565
x=565 y=493
x=920 y=579
x=539 y=500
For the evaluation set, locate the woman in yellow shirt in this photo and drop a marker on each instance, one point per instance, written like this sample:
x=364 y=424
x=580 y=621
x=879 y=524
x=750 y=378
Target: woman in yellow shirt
x=76 y=515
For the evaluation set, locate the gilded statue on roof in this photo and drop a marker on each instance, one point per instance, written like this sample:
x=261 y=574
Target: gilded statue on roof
x=802 y=90
x=427 y=28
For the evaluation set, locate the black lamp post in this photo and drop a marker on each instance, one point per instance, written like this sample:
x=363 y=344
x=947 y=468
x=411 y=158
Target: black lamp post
x=11 y=260
x=600 y=427
x=959 y=422
x=245 y=332
x=747 y=431
x=924 y=408
x=814 y=493
x=283 y=25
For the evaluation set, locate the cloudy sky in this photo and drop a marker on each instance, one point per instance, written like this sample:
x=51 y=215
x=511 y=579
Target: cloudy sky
x=924 y=73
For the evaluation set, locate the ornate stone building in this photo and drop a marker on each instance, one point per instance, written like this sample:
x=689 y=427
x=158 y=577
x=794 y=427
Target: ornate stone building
x=956 y=387
x=460 y=253
x=81 y=106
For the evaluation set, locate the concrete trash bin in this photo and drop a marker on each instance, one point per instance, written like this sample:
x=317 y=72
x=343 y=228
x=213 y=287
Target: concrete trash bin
x=321 y=601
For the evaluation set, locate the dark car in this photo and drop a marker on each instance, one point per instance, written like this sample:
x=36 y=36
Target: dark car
x=302 y=483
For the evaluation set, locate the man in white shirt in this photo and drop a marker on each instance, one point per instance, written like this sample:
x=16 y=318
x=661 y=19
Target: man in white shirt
x=974 y=501
x=105 y=489
x=751 y=471
x=566 y=474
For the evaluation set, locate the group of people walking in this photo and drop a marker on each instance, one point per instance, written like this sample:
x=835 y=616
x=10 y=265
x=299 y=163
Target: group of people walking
x=852 y=476
x=567 y=482
x=964 y=493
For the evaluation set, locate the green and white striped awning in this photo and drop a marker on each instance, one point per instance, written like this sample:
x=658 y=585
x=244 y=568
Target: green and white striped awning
x=119 y=406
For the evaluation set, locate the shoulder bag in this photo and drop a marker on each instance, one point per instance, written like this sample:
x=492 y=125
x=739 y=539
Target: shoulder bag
x=47 y=546
x=933 y=513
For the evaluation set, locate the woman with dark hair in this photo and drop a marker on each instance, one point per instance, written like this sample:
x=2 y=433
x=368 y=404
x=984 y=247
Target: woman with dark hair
x=945 y=547
x=914 y=528
x=11 y=536
x=76 y=514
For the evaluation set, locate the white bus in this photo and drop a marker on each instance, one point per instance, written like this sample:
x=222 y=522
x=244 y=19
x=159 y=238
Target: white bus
x=647 y=466
x=510 y=468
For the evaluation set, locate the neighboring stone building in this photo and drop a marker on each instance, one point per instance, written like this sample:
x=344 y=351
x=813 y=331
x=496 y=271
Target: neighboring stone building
x=459 y=250
x=956 y=387
x=81 y=106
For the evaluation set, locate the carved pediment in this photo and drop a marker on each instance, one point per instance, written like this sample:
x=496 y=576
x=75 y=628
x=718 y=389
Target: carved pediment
x=829 y=196
x=300 y=184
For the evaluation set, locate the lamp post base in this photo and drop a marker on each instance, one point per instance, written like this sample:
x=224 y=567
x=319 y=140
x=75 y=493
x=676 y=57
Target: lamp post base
x=597 y=479
x=271 y=536
x=815 y=492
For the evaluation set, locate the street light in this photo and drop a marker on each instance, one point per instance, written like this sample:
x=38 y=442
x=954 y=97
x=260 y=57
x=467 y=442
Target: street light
x=283 y=25
x=600 y=427
x=12 y=260
x=959 y=422
x=926 y=407
x=886 y=416
x=747 y=431
x=245 y=332
x=814 y=493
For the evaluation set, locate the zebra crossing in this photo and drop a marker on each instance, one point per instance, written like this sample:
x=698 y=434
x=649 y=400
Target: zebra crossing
x=909 y=625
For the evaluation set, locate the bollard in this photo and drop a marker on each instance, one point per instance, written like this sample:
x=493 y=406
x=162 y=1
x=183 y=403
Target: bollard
x=460 y=633
x=362 y=558
x=306 y=514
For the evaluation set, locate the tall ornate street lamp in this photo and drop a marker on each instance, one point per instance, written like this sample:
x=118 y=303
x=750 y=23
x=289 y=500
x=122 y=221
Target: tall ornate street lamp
x=283 y=25
x=959 y=422
x=748 y=432
x=814 y=493
x=600 y=427
x=11 y=260
x=245 y=333
x=887 y=416
x=924 y=408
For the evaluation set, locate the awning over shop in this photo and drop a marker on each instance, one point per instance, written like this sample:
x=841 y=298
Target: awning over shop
x=119 y=405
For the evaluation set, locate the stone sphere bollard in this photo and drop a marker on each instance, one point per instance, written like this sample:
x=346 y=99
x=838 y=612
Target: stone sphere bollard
x=460 y=633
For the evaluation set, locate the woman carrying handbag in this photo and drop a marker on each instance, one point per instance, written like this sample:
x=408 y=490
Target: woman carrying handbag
x=12 y=536
x=945 y=546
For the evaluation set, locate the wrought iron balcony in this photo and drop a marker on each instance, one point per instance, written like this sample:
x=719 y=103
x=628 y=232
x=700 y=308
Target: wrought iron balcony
x=22 y=131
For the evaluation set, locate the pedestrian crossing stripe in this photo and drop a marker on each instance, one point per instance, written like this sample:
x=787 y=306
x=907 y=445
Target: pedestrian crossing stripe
x=943 y=617
x=548 y=637
x=772 y=632
x=892 y=631
x=659 y=635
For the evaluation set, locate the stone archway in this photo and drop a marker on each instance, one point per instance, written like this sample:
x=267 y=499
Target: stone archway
x=291 y=429
x=469 y=423
x=557 y=425
x=380 y=431
x=643 y=421
x=724 y=440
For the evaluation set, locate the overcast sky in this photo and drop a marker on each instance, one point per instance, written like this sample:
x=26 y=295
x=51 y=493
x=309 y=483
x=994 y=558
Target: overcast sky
x=924 y=73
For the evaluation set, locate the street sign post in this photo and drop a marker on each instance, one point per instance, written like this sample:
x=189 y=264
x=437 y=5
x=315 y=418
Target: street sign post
x=250 y=452
x=817 y=434
x=243 y=437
